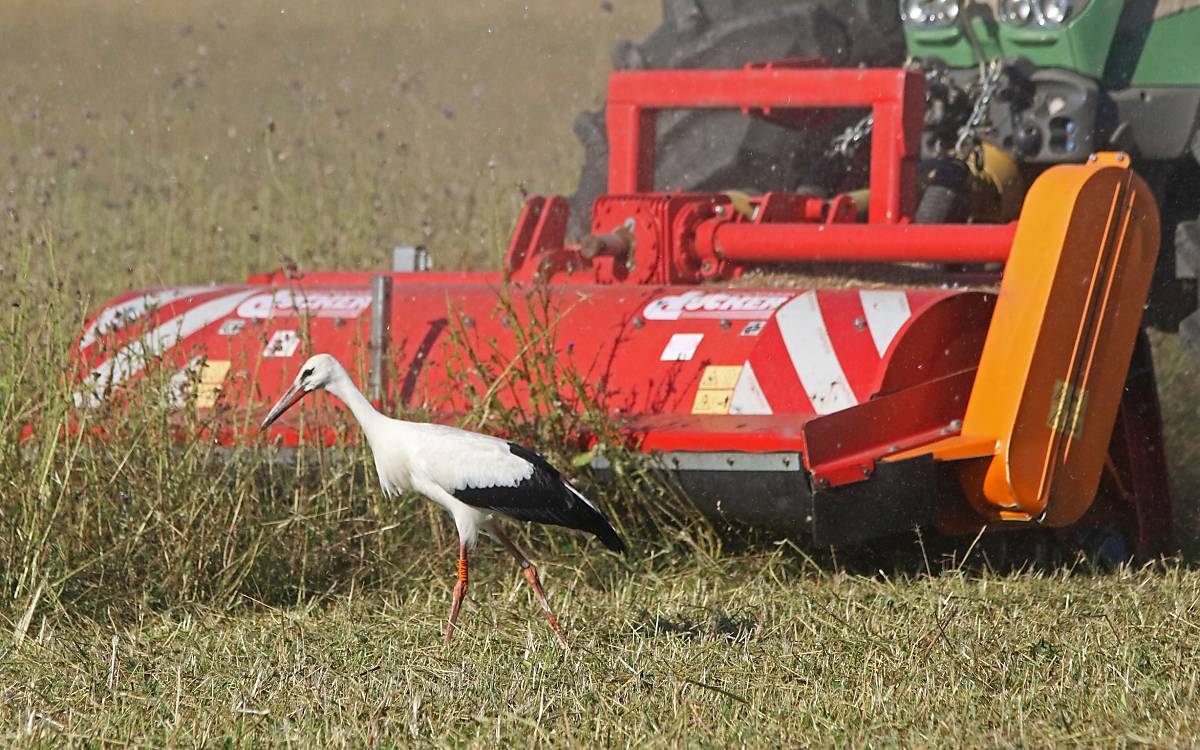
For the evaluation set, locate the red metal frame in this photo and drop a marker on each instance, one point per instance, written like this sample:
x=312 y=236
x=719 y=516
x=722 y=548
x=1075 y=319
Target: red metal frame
x=689 y=237
x=888 y=243
x=896 y=98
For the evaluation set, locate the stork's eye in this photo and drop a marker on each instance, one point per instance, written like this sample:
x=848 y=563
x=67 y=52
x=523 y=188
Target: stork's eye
x=304 y=375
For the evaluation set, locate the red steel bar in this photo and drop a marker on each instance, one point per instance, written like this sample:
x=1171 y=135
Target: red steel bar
x=896 y=98
x=919 y=243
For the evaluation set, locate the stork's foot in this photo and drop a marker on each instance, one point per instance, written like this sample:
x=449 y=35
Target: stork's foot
x=531 y=575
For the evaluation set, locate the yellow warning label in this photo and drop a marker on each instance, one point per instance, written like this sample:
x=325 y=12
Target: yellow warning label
x=712 y=402
x=212 y=377
x=720 y=376
x=716 y=389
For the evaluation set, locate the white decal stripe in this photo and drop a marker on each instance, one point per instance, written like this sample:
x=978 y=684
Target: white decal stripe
x=130 y=360
x=748 y=397
x=811 y=351
x=122 y=314
x=887 y=312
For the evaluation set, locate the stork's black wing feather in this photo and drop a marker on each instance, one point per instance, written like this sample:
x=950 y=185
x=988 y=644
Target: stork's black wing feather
x=543 y=497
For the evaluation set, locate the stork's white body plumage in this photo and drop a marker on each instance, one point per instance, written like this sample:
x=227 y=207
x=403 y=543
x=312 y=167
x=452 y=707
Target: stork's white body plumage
x=474 y=477
x=435 y=460
x=412 y=457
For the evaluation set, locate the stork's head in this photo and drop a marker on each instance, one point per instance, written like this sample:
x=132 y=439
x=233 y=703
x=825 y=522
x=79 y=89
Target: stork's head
x=319 y=371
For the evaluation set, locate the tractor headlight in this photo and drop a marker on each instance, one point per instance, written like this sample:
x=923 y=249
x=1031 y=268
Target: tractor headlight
x=1016 y=12
x=929 y=13
x=1056 y=12
x=1047 y=13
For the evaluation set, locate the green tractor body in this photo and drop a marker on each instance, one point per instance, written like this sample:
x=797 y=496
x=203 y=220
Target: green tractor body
x=1118 y=43
x=1069 y=78
x=1110 y=74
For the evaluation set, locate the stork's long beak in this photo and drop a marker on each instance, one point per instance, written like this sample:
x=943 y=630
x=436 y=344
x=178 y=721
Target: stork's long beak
x=294 y=394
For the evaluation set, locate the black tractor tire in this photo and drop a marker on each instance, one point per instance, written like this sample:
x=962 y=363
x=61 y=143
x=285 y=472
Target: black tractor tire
x=1187 y=504
x=723 y=149
x=1187 y=265
x=944 y=199
x=1172 y=304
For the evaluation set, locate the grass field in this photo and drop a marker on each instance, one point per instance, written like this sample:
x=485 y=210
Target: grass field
x=161 y=596
x=752 y=652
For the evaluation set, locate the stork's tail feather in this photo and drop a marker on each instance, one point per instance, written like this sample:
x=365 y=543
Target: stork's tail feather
x=608 y=535
x=599 y=525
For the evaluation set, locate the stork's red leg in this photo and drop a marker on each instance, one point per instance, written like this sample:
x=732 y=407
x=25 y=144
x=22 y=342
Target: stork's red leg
x=535 y=583
x=531 y=575
x=460 y=591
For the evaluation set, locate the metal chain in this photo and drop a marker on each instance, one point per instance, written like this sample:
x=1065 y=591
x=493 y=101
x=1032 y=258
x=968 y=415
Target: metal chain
x=967 y=139
x=846 y=143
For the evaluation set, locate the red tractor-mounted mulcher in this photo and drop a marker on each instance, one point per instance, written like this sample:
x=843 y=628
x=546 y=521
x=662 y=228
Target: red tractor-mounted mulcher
x=1024 y=399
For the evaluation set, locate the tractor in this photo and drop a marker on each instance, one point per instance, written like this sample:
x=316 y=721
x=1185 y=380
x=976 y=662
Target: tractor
x=829 y=294
x=1014 y=87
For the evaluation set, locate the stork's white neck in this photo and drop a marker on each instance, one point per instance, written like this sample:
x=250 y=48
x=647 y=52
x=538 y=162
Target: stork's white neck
x=369 y=418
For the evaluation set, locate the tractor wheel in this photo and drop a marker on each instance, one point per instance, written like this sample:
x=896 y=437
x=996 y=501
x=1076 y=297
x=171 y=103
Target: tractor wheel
x=1172 y=304
x=721 y=149
x=1187 y=260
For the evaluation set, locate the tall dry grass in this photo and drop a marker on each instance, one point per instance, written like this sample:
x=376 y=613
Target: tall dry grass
x=177 y=142
x=135 y=518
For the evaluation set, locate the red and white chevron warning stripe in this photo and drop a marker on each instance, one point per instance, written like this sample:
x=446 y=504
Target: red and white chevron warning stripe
x=134 y=355
x=822 y=351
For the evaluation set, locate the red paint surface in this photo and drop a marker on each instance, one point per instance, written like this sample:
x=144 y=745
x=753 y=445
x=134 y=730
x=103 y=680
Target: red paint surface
x=603 y=334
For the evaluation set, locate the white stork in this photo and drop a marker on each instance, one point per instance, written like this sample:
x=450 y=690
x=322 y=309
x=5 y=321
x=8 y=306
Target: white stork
x=475 y=477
